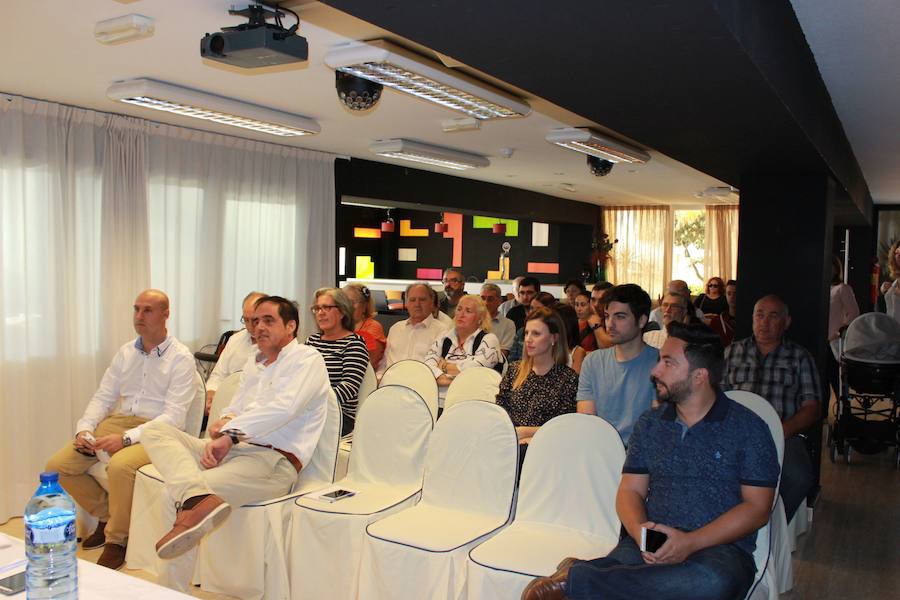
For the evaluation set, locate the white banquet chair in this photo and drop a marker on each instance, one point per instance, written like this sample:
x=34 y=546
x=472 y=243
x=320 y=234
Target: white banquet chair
x=325 y=540
x=476 y=383
x=416 y=375
x=369 y=384
x=566 y=507
x=768 y=570
x=193 y=421
x=152 y=511
x=467 y=496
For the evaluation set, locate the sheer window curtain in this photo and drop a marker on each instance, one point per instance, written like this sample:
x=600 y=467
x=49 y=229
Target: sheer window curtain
x=644 y=252
x=720 y=258
x=95 y=207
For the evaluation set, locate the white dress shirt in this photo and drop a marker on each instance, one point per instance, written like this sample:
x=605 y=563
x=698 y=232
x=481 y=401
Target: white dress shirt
x=505 y=330
x=285 y=403
x=656 y=338
x=232 y=359
x=406 y=340
x=158 y=386
x=504 y=308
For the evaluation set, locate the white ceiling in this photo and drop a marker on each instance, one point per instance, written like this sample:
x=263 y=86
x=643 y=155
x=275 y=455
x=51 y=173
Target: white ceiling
x=857 y=48
x=48 y=51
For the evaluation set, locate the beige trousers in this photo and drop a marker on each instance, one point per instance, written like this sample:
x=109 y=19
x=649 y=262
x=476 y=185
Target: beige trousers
x=247 y=473
x=113 y=507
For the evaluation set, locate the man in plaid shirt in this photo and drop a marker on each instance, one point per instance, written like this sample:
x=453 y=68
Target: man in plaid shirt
x=783 y=373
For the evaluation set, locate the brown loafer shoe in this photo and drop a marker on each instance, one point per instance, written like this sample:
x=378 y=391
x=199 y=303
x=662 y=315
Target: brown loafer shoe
x=96 y=539
x=113 y=557
x=191 y=525
x=552 y=587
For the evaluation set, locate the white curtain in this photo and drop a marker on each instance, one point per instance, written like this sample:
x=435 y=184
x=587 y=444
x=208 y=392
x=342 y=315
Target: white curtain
x=95 y=207
x=643 y=254
x=720 y=255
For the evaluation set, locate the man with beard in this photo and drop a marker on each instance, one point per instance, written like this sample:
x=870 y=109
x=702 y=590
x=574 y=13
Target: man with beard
x=454 y=288
x=615 y=382
x=701 y=469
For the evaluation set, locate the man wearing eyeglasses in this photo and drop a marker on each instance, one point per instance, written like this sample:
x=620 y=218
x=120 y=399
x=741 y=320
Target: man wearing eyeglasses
x=239 y=347
x=678 y=286
x=503 y=328
x=454 y=288
x=674 y=310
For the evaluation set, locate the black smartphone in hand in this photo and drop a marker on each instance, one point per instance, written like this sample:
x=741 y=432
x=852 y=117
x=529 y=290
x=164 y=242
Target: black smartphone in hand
x=652 y=540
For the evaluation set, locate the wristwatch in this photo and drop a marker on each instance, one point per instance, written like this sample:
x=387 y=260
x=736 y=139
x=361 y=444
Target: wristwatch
x=126 y=440
x=233 y=435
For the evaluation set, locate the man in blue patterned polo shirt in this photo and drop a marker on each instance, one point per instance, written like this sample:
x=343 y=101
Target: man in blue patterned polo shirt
x=701 y=469
x=783 y=373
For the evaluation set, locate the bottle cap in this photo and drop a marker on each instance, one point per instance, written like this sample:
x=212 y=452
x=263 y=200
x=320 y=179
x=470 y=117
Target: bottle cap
x=49 y=477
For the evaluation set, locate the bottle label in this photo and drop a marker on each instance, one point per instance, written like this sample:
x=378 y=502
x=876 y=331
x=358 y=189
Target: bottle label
x=51 y=535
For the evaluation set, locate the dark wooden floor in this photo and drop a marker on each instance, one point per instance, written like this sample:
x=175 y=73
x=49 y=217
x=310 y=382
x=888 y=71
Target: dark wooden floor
x=852 y=551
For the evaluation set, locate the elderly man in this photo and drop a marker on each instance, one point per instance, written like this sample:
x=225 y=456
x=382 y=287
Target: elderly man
x=412 y=337
x=701 y=469
x=151 y=378
x=240 y=345
x=503 y=328
x=674 y=310
x=263 y=439
x=615 y=382
x=509 y=304
x=678 y=286
x=783 y=373
x=454 y=288
x=529 y=287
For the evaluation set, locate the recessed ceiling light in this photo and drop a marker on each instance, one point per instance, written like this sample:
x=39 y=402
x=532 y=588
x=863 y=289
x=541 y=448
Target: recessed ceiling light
x=123 y=29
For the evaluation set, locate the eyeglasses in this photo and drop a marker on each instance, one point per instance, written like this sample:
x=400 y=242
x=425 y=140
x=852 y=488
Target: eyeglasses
x=321 y=307
x=452 y=280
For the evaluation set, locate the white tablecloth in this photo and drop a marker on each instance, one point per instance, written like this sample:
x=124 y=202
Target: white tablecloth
x=94 y=582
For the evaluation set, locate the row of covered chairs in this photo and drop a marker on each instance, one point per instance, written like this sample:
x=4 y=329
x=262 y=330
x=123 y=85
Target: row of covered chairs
x=436 y=512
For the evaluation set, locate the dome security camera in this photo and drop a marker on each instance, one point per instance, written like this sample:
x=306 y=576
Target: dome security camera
x=598 y=166
x=356 y=93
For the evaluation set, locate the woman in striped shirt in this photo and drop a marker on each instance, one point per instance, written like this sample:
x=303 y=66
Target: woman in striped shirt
x=345 y=353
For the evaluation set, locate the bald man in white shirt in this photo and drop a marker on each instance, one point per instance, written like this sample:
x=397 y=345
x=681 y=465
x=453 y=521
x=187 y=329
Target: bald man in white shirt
x=154 y=377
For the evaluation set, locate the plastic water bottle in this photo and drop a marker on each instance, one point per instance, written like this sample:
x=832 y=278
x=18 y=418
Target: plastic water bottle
x=52 y=571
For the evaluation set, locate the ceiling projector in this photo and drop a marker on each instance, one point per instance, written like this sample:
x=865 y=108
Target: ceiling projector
x=256 y=43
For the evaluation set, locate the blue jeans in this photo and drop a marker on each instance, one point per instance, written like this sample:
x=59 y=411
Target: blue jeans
x=716 y=573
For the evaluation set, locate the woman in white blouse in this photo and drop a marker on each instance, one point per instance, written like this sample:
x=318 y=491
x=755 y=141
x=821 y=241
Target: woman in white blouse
x=457 y=350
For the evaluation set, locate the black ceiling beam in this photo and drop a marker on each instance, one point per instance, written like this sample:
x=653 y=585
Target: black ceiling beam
x=728 y=87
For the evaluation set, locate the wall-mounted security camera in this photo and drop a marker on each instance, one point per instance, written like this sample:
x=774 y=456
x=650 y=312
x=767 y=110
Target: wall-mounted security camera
x=598 y=166
x=355 y=92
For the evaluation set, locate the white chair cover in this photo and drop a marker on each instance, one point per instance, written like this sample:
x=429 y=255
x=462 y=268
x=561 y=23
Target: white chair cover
x=325 y=540
x=152 y=510
x=477 y=383
x=193 y=421
x=369 y=385
x=768 y=571
x=416 y=375
x=468 y=494
x=223 y=396
x=566 y=507
x=259 y=528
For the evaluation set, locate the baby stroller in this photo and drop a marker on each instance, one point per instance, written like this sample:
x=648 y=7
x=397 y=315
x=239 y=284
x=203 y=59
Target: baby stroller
x=866 y=412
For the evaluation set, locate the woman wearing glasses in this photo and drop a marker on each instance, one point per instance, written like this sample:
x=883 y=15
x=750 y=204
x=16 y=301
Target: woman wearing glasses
x=713 y=302
x=345 y=353
x=468 y=344
x=364 y=323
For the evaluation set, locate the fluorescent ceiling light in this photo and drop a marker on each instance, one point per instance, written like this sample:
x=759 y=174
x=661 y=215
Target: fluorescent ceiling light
x=398 y=68
x=590 y=142
x=428 y=154
x=148 y=93
x=123 y=29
